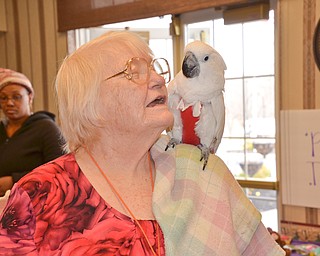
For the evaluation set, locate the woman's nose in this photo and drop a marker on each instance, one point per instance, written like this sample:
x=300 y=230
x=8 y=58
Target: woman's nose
x=156 y=80
x=10 y=101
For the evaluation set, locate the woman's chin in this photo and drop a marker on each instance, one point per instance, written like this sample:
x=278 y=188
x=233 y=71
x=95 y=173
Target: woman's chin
x=163 y=120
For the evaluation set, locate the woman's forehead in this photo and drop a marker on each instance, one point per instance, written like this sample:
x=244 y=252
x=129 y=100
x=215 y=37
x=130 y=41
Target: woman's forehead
x=123 y=60
x=136 y=52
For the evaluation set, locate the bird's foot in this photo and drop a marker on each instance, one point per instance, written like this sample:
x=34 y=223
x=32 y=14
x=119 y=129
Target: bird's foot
x=172 y=143
x=205 y=152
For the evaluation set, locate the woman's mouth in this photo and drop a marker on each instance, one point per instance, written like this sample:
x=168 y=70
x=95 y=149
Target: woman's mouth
x=157 y=101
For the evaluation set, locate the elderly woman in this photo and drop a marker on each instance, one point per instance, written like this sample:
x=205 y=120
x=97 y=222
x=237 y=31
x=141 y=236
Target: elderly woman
x=27 y=139
x=118 y=192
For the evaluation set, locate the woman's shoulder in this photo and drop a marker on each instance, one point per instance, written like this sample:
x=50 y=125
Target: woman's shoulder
x=60 y=172
x=66 y=163
x=42 y=115
x=41 y=119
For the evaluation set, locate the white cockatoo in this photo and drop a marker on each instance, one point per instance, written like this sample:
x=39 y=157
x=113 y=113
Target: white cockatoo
x=196 y=99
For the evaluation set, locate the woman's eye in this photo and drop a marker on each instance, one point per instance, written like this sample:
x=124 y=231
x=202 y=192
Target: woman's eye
x=16 y=97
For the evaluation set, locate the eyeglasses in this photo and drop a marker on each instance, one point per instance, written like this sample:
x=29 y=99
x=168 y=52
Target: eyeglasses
x=137 y=70
x=14 y=98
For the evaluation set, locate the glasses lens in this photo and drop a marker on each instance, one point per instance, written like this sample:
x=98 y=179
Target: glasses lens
x=161 y=66
x=138 y=70
x=15 y=98
x=3 y=99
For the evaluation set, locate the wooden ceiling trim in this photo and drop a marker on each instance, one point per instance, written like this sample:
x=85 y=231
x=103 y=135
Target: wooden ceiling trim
x=74 y=14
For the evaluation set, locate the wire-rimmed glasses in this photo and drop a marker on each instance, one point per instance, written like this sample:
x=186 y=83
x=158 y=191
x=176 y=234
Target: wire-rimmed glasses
x=14 y=98
x=137 y=70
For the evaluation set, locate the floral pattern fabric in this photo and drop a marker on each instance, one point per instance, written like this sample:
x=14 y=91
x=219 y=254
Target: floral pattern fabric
x=54 y=210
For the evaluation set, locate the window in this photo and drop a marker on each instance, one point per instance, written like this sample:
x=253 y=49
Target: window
x=248 y=144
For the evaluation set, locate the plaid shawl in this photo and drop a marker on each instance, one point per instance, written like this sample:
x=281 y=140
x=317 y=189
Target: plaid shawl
x=201 y=212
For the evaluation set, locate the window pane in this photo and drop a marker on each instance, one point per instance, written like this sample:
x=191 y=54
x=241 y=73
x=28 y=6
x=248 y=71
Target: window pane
x=231 y=150
x=266 y=147
x=266 y=202
x=162 y=48
x=201 y=31
x=260 y=162
x=253 y=161
x=233 y=98
x=259 y=107
x=228 y=42
x=258 y=43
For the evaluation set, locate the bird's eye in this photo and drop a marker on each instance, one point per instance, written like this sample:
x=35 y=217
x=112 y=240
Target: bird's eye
x=206 y=58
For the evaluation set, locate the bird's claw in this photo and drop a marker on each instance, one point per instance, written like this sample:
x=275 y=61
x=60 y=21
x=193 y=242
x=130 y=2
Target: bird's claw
x=205 y=152
x=172 y=143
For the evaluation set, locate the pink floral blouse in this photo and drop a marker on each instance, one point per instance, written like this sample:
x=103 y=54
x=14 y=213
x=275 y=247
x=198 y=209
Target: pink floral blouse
x=54 y=210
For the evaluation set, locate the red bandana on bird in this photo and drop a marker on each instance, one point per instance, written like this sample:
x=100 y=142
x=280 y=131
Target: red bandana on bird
x=189 y=123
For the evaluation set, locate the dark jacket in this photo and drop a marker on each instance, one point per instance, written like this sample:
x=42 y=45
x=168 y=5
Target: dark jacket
x=38 y=141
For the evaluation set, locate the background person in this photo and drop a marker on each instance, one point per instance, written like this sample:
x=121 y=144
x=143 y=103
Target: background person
x=118 y=192
x=27 y=139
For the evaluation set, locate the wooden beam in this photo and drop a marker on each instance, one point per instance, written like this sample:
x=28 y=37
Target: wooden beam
x=73 y=14
x=273 y=185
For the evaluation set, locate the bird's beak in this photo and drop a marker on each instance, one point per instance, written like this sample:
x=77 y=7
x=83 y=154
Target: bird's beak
x=190 y=65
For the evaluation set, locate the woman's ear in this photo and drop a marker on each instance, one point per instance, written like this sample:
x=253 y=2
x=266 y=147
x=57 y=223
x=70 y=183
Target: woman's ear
x=30 y=98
